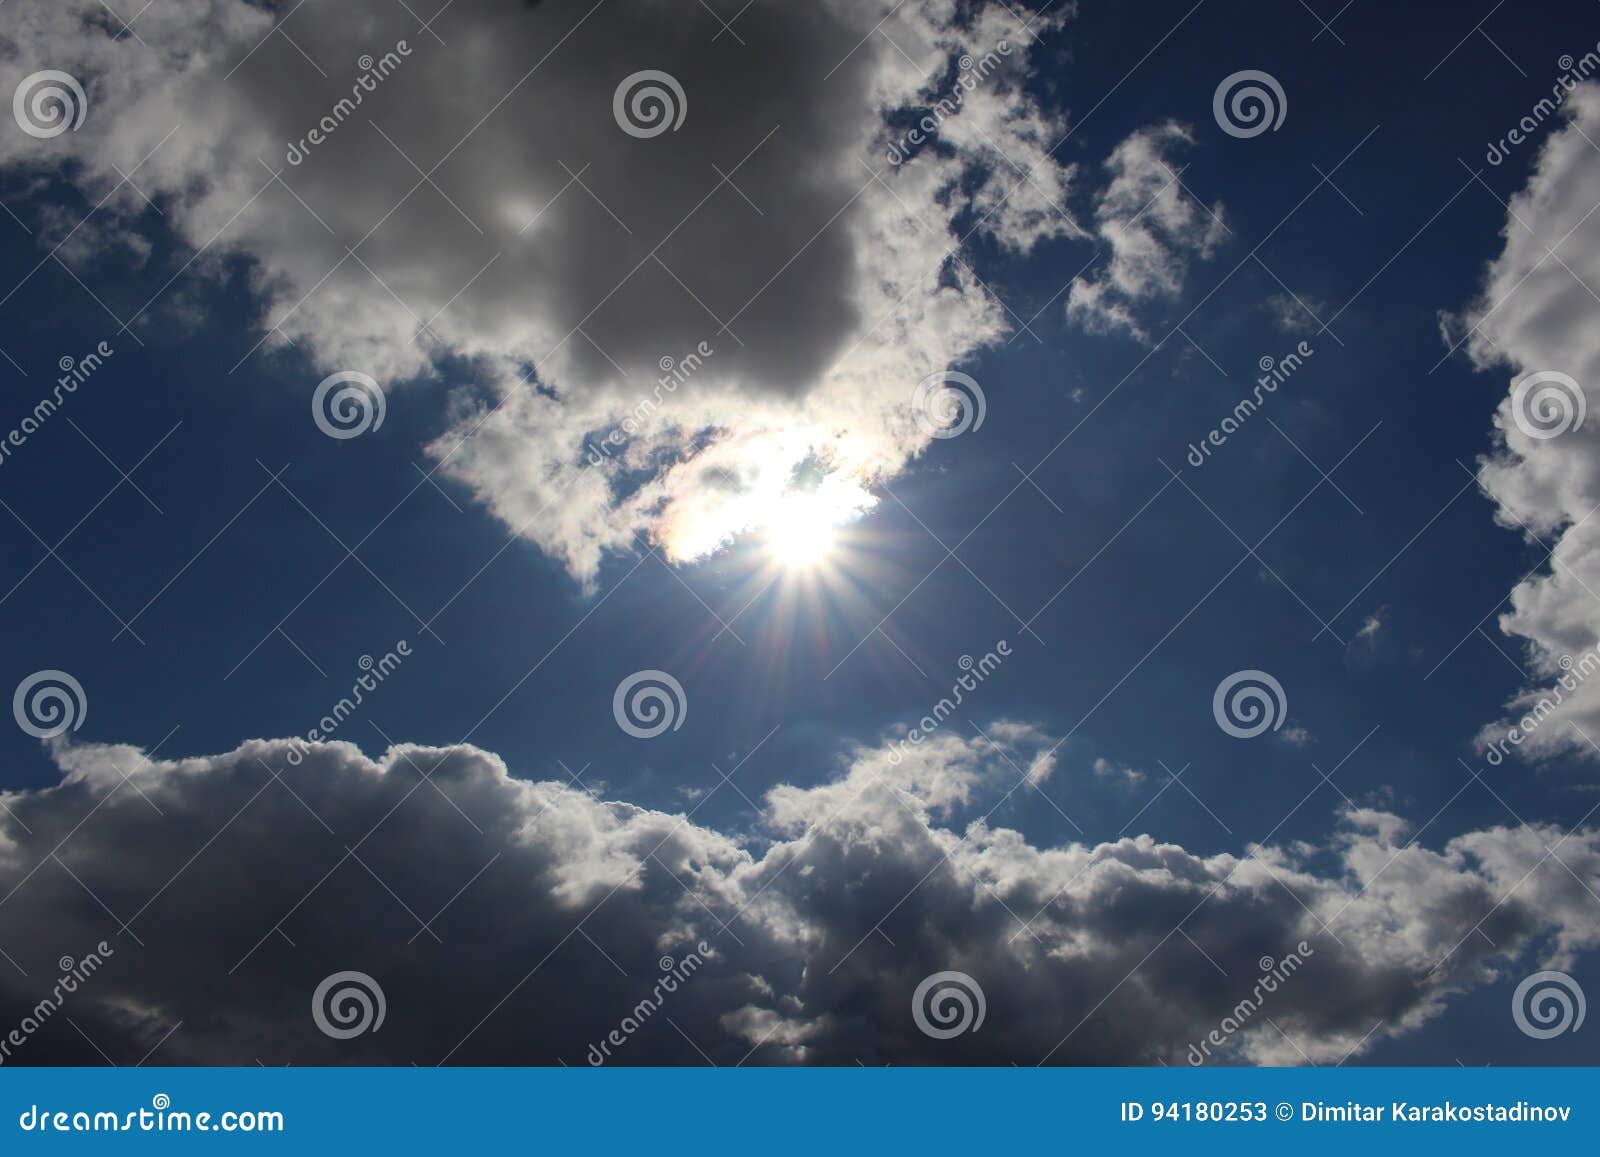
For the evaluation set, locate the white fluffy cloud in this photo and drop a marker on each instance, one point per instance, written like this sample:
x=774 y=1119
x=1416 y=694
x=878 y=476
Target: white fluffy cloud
x=1152 y=227
x=1536 y=314
x=244 y=879
x=481 y=201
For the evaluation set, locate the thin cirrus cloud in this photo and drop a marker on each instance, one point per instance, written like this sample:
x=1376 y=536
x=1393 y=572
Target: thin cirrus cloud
x=1534 y=318
x=476 y=206
x=512 y=921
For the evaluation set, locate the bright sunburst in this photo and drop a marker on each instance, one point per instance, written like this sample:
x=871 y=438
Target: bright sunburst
x=803 y=523
x=803 y=529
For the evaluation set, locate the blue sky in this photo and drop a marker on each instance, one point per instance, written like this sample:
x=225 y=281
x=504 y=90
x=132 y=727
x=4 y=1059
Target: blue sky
x=1125 y=589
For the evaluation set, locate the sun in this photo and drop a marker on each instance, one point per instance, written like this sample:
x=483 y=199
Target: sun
x=802 y=529
x=791 y=518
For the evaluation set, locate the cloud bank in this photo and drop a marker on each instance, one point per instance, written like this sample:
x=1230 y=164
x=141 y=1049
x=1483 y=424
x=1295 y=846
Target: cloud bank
x=1535 y=318
x=511 y=921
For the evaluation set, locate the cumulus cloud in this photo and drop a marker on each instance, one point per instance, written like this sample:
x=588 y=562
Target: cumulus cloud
x=1535 y=315
x=410 y=197
x=512 y=921
x=1117 y=772
x=1152 y=227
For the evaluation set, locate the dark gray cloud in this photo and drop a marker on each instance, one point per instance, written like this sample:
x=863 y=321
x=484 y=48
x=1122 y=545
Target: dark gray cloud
x=241 y=890
x=470 y=189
